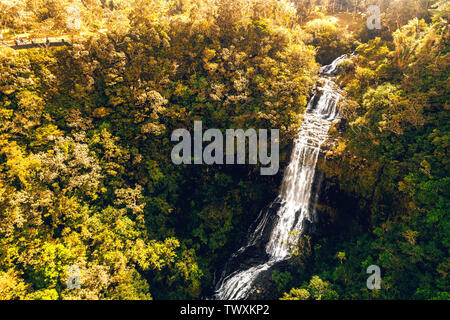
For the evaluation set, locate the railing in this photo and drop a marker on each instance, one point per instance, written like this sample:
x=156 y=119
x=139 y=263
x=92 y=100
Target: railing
x=17 y=45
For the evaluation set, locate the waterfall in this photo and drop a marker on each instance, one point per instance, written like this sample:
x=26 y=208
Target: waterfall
x=293 y=204
x=332 y=69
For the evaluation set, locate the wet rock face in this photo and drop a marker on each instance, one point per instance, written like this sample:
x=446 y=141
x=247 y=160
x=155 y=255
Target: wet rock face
x=264 y=287
x=336 y=208
x=255 y=253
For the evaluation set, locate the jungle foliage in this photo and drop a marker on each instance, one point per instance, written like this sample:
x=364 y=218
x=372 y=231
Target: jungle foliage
x=86 y=177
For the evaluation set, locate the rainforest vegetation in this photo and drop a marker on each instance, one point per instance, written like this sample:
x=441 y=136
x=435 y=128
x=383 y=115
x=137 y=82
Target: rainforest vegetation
x=86 y=176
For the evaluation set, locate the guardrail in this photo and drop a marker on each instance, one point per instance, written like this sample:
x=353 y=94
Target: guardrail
x=34 y=44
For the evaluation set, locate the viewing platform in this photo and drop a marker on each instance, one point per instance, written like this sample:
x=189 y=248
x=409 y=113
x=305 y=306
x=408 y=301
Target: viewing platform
x=34 y=44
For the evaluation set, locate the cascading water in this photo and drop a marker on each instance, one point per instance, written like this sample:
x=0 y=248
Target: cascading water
x=332 y=69
x=293 y=203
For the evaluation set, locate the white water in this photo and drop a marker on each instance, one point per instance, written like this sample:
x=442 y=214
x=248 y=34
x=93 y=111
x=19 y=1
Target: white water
x=295 y=194
x=331 y=69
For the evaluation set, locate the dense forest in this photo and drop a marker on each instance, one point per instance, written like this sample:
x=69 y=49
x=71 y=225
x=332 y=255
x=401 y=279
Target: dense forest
x=86 y=176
